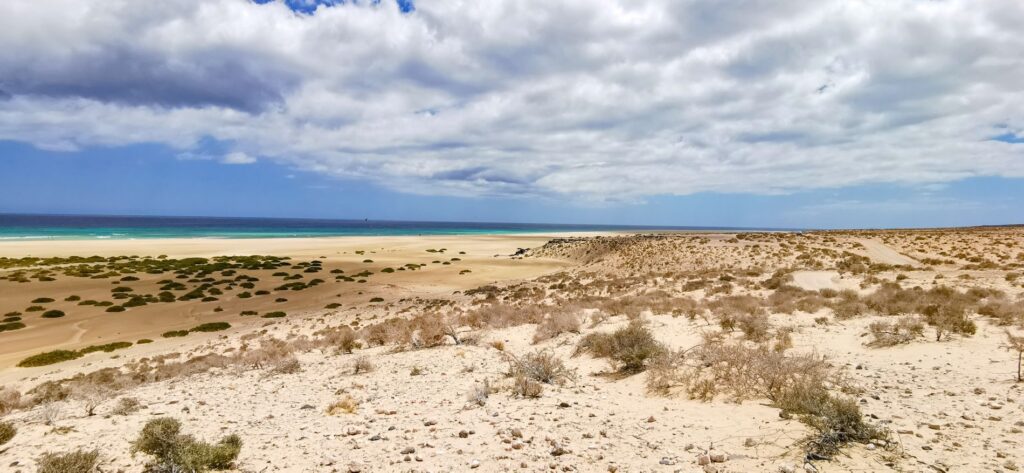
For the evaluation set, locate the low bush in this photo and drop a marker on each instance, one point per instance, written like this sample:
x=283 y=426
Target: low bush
x=903 y=330
x=174 y=451
x=79 y=461
x=174 y=333
x=42 y=300
x=109 y=347
x=555 y=324
x=125 y=406
x=629 y=348
x=210 y=327
x=7 y=432
x=49 y=358
x=362 y=365
x=345 y=405
x=115 y=308
x=53 y=314
x=541 y=366
x=273 y=315
x=6 y=327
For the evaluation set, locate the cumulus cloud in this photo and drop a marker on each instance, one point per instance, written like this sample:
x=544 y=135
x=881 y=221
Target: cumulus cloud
x=593 y=99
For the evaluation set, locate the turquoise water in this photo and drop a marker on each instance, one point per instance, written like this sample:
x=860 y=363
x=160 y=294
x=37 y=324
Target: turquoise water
x=79 y=227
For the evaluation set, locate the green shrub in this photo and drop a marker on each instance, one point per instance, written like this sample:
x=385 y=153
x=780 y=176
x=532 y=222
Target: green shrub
x=42 y=300
x=174 y=333
x=629 y=348
x=79 y=461
x=211 y=327
x=175 y=451
x=274 y=315
x=143 y=341
x=72 y=298
x=49 y=358
x=249 y=312
x=332 y=305
x=109 y=347
x=35 y=308
x=121 y=289
x=53 y=314
x=377 y=299
x=7 y=432
x=115 y=308
x=7 y=327
x=12 y=314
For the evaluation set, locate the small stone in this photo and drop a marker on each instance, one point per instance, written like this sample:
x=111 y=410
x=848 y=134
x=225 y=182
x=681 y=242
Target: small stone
x=650 y=419
x=355 y=468
x=474 y=464
x=703 y=460
x=463 y=434
x=667 y=461
x=719 y=458
x=408 y=450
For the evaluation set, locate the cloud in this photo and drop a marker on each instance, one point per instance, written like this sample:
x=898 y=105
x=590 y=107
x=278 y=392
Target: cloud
x=238 y=157
x=590 y=99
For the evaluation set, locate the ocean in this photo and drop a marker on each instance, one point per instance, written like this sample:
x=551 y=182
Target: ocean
x=80 y=227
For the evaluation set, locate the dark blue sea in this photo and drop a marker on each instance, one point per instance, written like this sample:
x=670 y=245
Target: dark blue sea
x=78 y=227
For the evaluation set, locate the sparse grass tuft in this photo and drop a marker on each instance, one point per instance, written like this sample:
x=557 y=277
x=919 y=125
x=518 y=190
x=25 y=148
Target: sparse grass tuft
x=79 y=461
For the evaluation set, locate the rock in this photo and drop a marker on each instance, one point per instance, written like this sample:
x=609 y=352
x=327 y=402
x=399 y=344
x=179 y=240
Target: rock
x=667 y=461
x=703 y=460
x=408 y=450
x=355 y=468
x=463 y=434
x=474 y=464
x=558 y=451
x=787 y=468
x=719 y=457
x=429 y=423
x=650 y=419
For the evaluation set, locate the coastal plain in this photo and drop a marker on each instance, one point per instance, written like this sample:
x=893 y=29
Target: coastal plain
x=705 y=352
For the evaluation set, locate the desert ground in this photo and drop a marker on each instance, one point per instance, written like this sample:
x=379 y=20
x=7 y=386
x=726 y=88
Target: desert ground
x=891 y=350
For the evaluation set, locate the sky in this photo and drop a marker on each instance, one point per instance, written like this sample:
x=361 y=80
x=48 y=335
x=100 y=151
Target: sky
x=781 y=113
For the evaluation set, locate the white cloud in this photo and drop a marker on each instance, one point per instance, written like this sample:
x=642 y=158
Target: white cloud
x=595 y=99
x=238 y=157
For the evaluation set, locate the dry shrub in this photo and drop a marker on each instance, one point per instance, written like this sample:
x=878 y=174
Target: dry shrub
x=479 y=393
x=903 y=330
x=79 y=461
x=557 y=323
x=628 y=348
x=1004 y=311
x=177 y=452
x=287 y=365
x=10 y=399
x=343 y=337
x=948 y=319
x=362 y=365
x=1016 y=343
x=7 y=432
x=523 y=386
x=395 y=331
x=125 y=406
x=91 y=396
x=788 y=299
x=270 y=352
x=345 y=405
x=835 y=421
x=503 y=316
x=755 y=327
x=796 y=384
x=847 y=305
x=542 y=366
x=497 y=345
